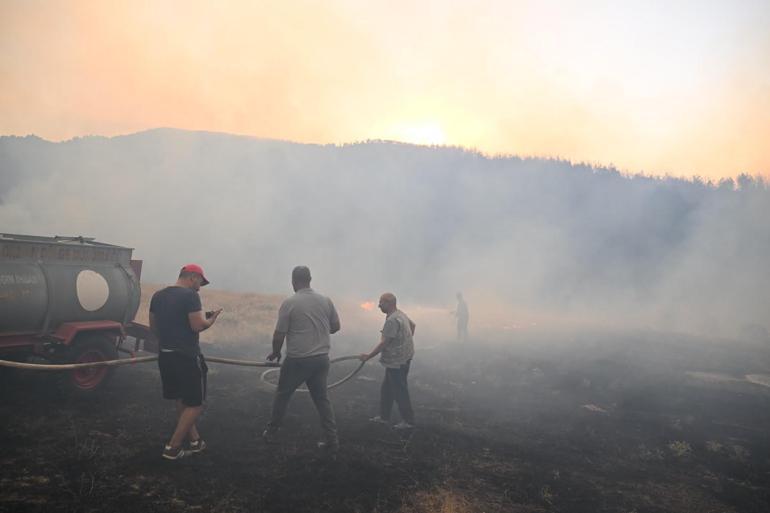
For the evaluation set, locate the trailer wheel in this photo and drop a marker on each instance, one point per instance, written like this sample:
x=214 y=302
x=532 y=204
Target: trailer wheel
x=85 y=349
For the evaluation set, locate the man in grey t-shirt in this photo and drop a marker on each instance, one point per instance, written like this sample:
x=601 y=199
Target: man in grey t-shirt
x=396 y=349
x=305 y=321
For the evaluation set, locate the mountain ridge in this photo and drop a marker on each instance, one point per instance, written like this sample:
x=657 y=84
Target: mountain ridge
x=422 y=221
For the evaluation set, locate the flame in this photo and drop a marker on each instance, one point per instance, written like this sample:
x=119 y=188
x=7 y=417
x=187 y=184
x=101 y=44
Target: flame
x=367 y=305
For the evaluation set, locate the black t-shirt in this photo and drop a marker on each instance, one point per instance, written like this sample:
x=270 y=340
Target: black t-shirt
x=171 y=307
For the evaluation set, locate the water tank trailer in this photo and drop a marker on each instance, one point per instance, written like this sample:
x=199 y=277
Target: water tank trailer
x=68 y=300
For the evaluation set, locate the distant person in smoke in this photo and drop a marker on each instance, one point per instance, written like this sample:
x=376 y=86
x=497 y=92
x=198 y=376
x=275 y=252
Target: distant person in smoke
x=305 y=321
x=176 y=319
x=462 y=315
x=396 y=350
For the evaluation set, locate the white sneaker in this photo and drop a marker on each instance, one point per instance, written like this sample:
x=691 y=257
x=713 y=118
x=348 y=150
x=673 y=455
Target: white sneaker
x=403 y=425
x=379 y=420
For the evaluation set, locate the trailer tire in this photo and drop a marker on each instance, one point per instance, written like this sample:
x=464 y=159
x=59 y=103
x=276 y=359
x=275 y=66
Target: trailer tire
x=85 y=348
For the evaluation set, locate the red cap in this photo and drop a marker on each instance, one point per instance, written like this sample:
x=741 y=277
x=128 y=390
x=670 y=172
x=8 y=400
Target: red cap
x=195 y=268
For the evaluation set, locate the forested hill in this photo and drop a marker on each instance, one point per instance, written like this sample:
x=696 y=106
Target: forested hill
x=420 y=221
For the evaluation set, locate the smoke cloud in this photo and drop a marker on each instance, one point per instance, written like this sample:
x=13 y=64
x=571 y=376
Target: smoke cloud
x=546 y=237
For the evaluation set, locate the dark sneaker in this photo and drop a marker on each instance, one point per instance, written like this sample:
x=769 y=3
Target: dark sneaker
x=269 y=436
x=331 y=447
x=197 y=446
x=329 y=450
x=403 y=426
x=171 y=453
x=379 y=420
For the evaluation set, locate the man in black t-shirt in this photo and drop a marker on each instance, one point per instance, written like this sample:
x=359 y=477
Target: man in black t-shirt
x=176 y=319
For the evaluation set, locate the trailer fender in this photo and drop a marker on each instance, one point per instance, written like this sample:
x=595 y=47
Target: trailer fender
x=67 y=331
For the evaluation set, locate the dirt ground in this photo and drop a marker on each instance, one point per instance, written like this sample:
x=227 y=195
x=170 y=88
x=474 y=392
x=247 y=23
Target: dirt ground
x=602 y=422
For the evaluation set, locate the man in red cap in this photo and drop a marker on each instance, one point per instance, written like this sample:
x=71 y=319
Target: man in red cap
x=176 y=319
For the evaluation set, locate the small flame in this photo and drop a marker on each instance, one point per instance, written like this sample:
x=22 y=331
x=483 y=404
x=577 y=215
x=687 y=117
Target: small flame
x=367 y=305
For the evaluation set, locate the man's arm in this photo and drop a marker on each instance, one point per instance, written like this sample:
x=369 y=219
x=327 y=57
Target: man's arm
x=374 y=352
x=281 y=329
x=334 y=319
x=412 y=326
x=278 y=338
x=153 y=324
x=198 y=321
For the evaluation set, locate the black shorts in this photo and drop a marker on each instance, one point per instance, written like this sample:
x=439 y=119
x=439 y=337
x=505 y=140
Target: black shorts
x=183 y=377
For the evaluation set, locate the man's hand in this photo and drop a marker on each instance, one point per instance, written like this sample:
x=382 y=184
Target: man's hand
x=364 y=357
x=200 y=321
x=274 y=356
x=213 y=314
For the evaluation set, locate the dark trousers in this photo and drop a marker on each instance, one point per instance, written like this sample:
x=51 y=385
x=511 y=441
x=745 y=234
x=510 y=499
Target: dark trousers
x=312 y=371
x=462 y=330
x=394 y=388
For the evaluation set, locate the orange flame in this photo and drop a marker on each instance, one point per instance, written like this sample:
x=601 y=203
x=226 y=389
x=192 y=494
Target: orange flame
x=367 y=305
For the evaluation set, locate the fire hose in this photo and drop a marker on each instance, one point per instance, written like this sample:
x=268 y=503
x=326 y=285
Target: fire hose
x=143 y=359
x=337 y=383
x=74 y=366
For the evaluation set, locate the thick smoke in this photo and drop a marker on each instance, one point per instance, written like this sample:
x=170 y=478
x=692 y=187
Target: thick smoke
x=568 y=241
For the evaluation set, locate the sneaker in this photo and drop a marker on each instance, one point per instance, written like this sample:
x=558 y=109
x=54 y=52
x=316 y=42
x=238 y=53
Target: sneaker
x=329 y=450
x=403 y=425
x=170 y=453
x=197 y=445
x=269 y=436
x=331 y=447
x=379 y=420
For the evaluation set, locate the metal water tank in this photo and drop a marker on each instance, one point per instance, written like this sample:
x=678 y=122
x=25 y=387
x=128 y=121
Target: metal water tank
x=45 y=281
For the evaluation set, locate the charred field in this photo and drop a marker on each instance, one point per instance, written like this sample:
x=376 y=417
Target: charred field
x=615 y=422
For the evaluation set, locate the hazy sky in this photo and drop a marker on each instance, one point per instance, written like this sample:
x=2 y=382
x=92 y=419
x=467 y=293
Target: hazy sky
x=680 y=87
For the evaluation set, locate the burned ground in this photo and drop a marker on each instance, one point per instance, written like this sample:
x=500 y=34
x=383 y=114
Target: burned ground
x=590 y=423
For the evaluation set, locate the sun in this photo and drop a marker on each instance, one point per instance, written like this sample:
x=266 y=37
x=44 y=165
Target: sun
x=428 y=133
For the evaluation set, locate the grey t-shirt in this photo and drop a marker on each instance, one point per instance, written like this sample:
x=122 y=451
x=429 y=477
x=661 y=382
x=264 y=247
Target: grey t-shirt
x=306 y=318
x=399 y=347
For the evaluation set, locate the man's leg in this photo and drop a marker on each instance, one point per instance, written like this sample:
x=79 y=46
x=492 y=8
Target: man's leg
x=192 y=434
x=185 y=424
x=291 y=376
x=316 y=384
x=401 y=392
x=186 y=379
x=386 y=395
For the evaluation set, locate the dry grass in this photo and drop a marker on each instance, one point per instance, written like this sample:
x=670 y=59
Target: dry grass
x=245 y=317
x=438 y=500
x=449 y=499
